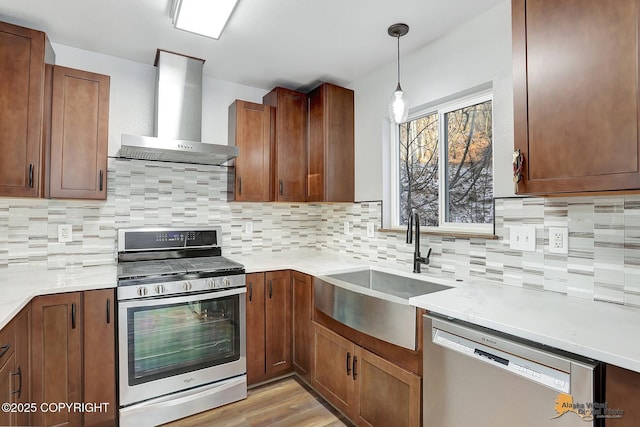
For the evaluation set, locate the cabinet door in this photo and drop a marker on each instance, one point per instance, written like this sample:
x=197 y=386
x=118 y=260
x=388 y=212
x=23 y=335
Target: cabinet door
x=386 y=394
x=278 y=322
x=622 y=393
x=56 y=368
x=79 y=134
x=22 y=371
x=255 y=328
x=333 y=360
x=301 y=306
x=331 y=145
x=576 y=94
x=22 y=56
x=7 y=367
x=290 y=163
x=99 y=374
x=250 y=129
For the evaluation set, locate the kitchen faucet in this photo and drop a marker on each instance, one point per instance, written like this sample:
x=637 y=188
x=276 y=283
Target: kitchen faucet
x=417 y=259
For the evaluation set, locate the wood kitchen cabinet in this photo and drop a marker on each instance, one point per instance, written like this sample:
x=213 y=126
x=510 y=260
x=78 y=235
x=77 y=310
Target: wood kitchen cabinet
x=7 y=369
x=56 y=368
x=99 y=366
x=79 y=134
x=623 y=392
x=289 y=160
x=66 y=367
x=268 y=325
x=576 y=94
x=331 y=145
x=301 y=308
x=368 y=389
x=251 y=129
x=23 y=53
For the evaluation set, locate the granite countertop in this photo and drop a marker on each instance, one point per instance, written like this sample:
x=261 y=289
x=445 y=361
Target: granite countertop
x=19 y=285
x=598 y=330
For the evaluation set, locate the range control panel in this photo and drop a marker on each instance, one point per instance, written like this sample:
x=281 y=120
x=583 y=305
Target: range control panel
x=130 y=240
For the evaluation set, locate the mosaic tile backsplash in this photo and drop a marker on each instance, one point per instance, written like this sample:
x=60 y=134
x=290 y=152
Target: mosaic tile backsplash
x=603 y=262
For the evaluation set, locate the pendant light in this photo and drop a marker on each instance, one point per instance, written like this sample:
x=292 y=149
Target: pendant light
x=398 y=104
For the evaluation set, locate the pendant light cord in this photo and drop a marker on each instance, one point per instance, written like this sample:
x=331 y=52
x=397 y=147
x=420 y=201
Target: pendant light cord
x=398 y=37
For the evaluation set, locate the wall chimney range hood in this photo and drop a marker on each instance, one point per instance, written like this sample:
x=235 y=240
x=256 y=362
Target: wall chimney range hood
x=178 y=119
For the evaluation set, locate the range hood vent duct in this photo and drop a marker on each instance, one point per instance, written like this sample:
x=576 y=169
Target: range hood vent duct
x=178 y=119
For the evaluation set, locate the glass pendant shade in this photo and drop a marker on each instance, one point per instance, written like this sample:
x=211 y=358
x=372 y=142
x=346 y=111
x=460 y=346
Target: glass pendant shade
x=398 y=106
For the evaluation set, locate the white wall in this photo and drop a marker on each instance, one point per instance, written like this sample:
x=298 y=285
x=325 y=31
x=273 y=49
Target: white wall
x=473 y=54
x=131 y=103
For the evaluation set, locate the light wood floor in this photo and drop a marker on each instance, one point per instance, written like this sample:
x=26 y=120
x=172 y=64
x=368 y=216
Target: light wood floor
x=287 y=402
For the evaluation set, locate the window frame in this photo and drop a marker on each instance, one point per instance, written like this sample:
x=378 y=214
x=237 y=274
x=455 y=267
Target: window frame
x=441 y=109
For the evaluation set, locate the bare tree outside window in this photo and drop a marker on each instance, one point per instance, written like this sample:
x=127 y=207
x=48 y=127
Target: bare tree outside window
x=466 y=190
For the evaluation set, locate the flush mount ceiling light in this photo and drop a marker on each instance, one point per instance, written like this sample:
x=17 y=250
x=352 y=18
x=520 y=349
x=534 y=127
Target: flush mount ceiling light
x=398 y=105
x=205 y=17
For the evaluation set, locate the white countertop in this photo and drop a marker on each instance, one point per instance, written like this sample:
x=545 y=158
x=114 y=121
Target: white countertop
x=19 y=285
x=598 y=330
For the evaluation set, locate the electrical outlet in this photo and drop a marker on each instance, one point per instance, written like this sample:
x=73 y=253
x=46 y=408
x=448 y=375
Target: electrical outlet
x=248 y=228
x=346 y=228
x=558 y=240
x=65 y=234
x=371 y=231
x=523 y=238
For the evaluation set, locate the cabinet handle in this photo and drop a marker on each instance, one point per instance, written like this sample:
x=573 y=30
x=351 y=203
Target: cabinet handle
x=73 y=315
x=4 y=349
x=100 y=187
x=355 y=372
x=108 y=310
x=19 y=374
x=348 y=363
x=30 y=176
x=281 y=187
x=270 y=289
x=239 y=185
x=250 y=291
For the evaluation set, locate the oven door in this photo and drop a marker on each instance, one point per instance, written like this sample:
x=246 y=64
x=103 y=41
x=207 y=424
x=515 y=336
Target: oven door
x=171 y=344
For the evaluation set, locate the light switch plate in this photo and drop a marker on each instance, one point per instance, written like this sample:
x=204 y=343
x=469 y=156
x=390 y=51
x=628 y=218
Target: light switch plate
x=371 y=231
x=346 y=228
x=65 y=234
x=248 y=228
x=523 y=238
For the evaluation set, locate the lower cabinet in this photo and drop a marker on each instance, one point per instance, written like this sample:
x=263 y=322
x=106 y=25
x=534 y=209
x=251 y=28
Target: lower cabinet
x=622 y=387
x=268 y=325
x=73 y=357
x=301 y=307
x=369 y=390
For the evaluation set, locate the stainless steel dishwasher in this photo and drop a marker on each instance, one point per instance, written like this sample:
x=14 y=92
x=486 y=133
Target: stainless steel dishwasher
x=477 y=377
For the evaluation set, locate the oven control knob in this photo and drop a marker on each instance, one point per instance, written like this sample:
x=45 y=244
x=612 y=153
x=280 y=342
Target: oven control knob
x=186 y=286
x=142 y=291
x=226 y=282
x=211 y=283
x=159 y=289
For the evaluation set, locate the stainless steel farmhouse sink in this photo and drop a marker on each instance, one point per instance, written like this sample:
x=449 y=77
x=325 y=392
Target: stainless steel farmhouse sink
x=373 y=302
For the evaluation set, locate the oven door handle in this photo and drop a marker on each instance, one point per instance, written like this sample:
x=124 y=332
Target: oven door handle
x=181 y=298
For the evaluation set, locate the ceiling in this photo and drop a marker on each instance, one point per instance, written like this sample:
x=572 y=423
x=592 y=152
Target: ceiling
x=292 y=43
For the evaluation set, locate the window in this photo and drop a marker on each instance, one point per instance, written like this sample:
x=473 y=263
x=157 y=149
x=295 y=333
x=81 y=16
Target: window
x=445 y=166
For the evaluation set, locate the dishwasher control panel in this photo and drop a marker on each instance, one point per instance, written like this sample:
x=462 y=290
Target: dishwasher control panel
x=545 y=375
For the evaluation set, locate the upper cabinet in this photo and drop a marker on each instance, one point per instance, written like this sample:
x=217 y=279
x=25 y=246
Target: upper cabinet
x=289 y=162
x=251 y=129
x=54 y=122
x=23 y=53
x=79 y=134
x=576 y=106
x=331 y=145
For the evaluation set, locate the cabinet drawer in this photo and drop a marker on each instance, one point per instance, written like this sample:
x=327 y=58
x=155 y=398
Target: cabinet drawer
x=7 y=343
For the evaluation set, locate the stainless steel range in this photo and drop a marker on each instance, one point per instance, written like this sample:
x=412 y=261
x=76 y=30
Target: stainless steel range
x=181 y=324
